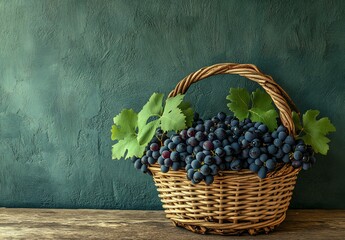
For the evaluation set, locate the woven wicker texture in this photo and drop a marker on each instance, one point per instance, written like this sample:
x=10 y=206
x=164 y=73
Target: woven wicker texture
x=236 y=202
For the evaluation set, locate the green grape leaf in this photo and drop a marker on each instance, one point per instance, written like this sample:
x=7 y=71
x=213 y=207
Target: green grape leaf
x=146 y=133
x=127 y=147
x=187 y=110
x=124 y=124
x=266 y=117
x=262 y=109
x=152 y=108
x=172 y=117
x=296 y=121
x=116 y=133
x=262 y=100
x=239 y=102
x=119 y=149
x=316 y=131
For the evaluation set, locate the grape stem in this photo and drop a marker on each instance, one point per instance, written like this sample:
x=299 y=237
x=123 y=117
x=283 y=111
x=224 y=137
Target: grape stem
x=299 y=134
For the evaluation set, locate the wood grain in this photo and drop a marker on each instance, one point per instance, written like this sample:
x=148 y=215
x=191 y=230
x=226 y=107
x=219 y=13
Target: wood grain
x=118 y=224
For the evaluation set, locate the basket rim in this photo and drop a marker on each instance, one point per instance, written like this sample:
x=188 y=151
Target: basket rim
x=284 y=170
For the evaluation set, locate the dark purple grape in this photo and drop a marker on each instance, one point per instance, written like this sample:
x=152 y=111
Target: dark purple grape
x=234 y=122
x=262 y=172
x=245 y=153
x=256 y=142
x=259 y=162
x=175 y=156
x=154 y=147
x=164 y=169
x=270 y=164
x=208 y=145
x=220 y=133
x=208 y=124
x=183 y=134
x=209 y=179
x=209 y=160
x=298 y=155
x=263 y=128
x=236 y=165
x=144 y=168
x=181 y=147
x=190 y=173
x=172 y=146
x=272 y=149
x=277 y=142
x=155 y=155
x=196 y=164
x=168 y=162
x=282 y=135
x=253 y=167
x=138 y=164
x=151 y=160
x=200 y=128
x=148 y=153
x=254 y=152
x=290 y=140
x=167 y=141
x=217 y=144
x=160 y=160
x=200 y=136
x=236 y=147
x=198 y=177
x=190 y=149
x=175 y=166
x=281 y=128
x=205 y=170
x=166 y=154
x=249 y=136
x=217 y=160
x=296 y=164
x=221 y=116
x=197 y=149
x=286 y=158
x=286 y=148
x=301 y=148
x=214 y=169
x=220 y=152
x=189 y=159
x=144 y=159
x=177 y=139
x=251 y=160
x=228 y=150
x=191 y=132
x=192 y=141
x=200 y=156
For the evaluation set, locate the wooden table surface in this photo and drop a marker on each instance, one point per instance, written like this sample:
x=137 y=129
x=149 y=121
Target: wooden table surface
x=119 y=224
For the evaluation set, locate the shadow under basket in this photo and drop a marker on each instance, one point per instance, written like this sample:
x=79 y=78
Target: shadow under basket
x=236 y=202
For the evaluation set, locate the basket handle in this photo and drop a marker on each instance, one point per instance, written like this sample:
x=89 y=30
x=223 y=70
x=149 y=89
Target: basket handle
x=280 y=98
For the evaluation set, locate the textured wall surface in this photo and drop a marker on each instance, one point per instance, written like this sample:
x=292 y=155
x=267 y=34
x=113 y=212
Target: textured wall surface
x=67 y=67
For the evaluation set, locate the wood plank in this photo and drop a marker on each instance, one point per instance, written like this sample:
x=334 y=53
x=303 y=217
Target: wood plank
x=123 y=224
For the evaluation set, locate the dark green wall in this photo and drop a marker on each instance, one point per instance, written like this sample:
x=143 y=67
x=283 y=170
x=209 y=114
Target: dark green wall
x=67 y=67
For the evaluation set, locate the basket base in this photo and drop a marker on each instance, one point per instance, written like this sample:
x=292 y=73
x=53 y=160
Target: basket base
x=228 y=231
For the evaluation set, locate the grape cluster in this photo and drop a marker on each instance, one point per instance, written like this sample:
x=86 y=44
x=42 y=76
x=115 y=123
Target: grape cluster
x=224 y=143
x=152 y=153
x=303 y=156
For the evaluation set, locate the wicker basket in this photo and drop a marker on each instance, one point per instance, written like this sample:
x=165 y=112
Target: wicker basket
x=236 y=202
